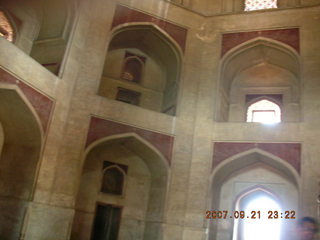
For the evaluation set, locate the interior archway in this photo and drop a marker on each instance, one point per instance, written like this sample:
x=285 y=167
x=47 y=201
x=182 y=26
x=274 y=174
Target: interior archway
x=56 y=21
x=113 y=180
x=7 y=28
x=260 y=66
x=21 y=140
x=257 y=202
x=142 y=202
x=245 y=171
x=44 y=29
x=158 y=86
x=263 y=110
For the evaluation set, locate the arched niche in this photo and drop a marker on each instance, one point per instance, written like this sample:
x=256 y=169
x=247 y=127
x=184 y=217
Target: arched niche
x=133 y=69
x=260 y=66
x=113 y=180
x=260 y=213
x=246 y=171
x=143 y=198
x=44 y=29
x=50 y=44
x=8 y=28
x=263 y=109
x=26 y=20
x=21 y=139
x=157 y=87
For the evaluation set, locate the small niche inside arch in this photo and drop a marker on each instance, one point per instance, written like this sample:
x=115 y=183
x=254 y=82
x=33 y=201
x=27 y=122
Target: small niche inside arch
x=133 y=67
x=264 y=108
x=113 y=178
x=6 y=28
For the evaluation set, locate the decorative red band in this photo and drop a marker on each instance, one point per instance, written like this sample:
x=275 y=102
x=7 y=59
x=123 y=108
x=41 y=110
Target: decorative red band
x=42 y=104
x=100 y=128
x=290 y=152
x=127 y=15
x=288 y=36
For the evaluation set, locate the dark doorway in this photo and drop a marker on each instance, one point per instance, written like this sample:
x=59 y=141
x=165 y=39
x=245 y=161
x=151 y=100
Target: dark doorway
x=106 y=223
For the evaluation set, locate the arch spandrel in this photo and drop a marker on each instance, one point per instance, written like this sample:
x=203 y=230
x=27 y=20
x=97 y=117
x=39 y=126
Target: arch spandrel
x=257 y=51
x=250 y=157
x=19 y=158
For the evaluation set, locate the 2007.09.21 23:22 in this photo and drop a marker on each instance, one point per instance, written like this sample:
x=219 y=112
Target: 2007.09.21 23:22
x=213 y=214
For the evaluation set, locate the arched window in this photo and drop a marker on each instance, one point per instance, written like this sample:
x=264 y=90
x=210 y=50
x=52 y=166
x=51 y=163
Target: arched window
x=264 y=111
x=6 y=28
x=113 y=181
x=251 y=5
x=258 y=204
x=133 y=67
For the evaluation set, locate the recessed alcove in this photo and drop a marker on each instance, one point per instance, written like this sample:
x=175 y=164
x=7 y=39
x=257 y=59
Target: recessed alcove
x=42 y=30
x=7 y=27
x=20 y=147
x=143 y=175
x=245 y=174
x=259 y=67
x=148 y=53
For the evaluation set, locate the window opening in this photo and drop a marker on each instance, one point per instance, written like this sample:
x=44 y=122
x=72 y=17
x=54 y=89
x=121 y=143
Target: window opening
x=261 y=227
x=128 y=96
x=251 y=5
x=133 y=67
x=264 y=111
x=6 y=29
x=113 y=181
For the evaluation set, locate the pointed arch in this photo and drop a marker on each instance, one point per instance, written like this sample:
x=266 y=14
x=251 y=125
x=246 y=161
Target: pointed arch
x=19 y=158
x=265 y=41
x=56 y=24
x=290 y=59
x=116 y=167
x=148 y=173
x=133 y=69
x=20 y=94
x=167 y=40
x=263 y=97
x=254 y=189
x=241 y=203
x=8 y=28
x=276 y=61
x=123 y=137
x=225 y=173
x=162 y=67
x=269 y=108
x=239 y=160
x=116 y=176
x=153 y=27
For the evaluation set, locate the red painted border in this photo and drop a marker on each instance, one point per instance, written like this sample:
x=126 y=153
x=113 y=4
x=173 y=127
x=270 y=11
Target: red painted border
x=127 y=15
x=288 y=36
x=100 y=128
x=290 y=152
x=42 y=104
